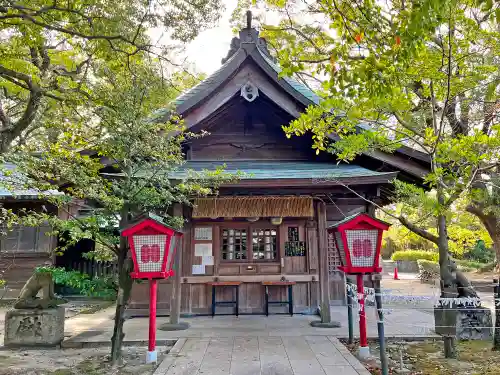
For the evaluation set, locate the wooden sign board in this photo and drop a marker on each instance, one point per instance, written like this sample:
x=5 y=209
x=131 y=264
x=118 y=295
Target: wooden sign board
x=203 y=233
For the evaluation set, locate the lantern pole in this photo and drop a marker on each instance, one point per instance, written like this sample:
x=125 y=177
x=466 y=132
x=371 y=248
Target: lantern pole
x=152 y=355
x=364 y=349
x=350 y=321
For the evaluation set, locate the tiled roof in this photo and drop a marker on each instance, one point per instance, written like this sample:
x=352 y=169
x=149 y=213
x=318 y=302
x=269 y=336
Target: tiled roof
x=8 y=185
x=187 y=99
x=264 y=170
x=203 y=85
x=303 y=89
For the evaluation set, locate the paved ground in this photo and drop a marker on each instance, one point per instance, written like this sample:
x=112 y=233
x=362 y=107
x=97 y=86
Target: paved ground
x=399 y=323
x=307 y=355
x=74 y=325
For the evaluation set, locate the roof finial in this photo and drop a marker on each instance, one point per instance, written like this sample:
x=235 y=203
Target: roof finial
x=249 y=19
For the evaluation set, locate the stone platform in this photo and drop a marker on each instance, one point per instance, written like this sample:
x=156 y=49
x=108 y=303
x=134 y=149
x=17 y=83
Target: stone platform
x=32 y=327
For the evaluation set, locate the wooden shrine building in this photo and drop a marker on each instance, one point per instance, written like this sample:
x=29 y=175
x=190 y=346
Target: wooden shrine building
x=269 y=226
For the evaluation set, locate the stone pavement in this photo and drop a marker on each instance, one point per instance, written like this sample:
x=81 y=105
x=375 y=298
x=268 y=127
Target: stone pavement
x=401 y=322
x=307 y=355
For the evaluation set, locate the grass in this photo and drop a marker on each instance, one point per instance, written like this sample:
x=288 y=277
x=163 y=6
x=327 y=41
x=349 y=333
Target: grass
x=474 y=357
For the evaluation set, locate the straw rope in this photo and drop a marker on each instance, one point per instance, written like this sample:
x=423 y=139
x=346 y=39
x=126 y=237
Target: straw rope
x=254 y=206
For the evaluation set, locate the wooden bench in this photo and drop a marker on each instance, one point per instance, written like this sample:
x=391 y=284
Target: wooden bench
x=288 y=284
x=232 y=284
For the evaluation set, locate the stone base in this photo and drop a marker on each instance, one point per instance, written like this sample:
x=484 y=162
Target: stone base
x=474 y=323
x=320 y=324
x=174 y=327
x=27 y=327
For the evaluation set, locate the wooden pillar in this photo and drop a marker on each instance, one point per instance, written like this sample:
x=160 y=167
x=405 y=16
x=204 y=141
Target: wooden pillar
x=370 y=209
x=175 y=300
x=323 y=263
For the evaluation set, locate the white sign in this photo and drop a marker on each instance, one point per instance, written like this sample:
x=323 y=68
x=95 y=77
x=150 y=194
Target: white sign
x=203 y=249
x=207 y=260
x=198 y=269
x=203 y=233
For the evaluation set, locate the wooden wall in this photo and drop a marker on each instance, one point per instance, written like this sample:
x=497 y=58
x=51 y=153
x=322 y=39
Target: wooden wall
x=24 y=248
x=235 y=142
x=196 y=295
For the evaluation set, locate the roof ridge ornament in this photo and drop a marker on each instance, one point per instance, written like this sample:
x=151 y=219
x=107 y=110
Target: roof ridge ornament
x=249 y=19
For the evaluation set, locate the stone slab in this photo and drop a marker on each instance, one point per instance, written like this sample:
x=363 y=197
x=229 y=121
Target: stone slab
x=464 y=323
x=254 y=356
x=30 y=327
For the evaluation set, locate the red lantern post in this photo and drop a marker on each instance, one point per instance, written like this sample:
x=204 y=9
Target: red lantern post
x=153 y=245
x=358 y=240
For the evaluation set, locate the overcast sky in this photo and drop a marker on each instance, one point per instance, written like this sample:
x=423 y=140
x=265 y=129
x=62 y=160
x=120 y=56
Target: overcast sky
x=207 y=50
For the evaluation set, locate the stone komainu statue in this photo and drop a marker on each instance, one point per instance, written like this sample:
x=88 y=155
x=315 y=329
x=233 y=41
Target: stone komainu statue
x=28 y=298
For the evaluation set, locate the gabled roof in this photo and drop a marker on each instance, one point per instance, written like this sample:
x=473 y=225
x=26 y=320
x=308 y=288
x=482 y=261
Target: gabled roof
x=361 y=217
x=251 y=48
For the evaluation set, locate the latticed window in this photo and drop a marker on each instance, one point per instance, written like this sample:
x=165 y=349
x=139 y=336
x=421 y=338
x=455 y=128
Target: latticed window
x=250 y=243
x=264 y=243
x=234 y=244
x=294 y=247
x=362 y=246
x=333 y=254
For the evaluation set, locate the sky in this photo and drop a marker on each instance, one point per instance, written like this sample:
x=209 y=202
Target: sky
x=212 y=45
x=208 y=49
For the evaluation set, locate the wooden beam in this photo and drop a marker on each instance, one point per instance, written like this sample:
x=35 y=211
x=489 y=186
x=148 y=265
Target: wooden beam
x=250 y=278
x=175 y=299
x=326 y=316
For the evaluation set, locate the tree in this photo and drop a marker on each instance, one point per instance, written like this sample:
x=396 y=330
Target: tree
x=51 y=49
x=423 y=73
x=464 y=232
x=122 y=173
x=73 y=77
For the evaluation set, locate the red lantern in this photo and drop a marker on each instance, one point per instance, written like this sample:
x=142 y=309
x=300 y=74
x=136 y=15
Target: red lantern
x=153 y=245
x=358 y=239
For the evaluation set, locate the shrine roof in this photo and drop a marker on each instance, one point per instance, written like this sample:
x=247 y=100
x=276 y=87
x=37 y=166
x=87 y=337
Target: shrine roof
x=272 y=170
x=247 y=47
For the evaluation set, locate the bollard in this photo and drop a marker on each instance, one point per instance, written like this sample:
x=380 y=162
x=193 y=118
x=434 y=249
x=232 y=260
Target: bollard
x=496 y=301
x=380 y=323
x=350 y=321
x=364 y=349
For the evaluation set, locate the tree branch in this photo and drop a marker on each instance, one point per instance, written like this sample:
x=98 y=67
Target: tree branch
x=412 y=227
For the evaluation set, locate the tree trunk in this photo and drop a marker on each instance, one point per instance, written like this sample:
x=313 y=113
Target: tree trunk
x=124 y=289
x=496 y=247
x=448 y=287
x=496 y=333
x=492 y=225
x=125 y=266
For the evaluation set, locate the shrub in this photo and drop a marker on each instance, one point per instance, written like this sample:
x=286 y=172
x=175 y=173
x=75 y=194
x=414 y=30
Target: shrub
x=415 y=255
x=480 y=253
x=469 y=264
x=104 y=287
x=428 y=270
x=488 y=267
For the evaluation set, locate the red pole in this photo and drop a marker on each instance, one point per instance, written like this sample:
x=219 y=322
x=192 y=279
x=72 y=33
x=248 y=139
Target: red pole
x=364 y=350
x=153 y=288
